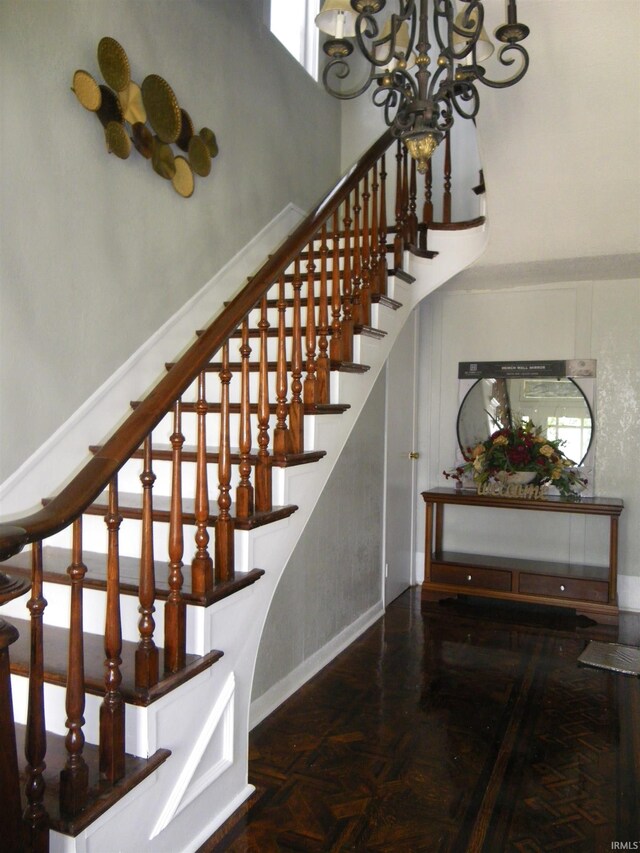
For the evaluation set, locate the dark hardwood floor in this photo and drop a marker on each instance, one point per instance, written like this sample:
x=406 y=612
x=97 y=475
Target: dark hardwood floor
x=456 y=727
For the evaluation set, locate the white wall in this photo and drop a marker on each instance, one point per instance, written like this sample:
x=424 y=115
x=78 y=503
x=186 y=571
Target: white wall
x=335 y=573
x=97 y=253
x=547 y=320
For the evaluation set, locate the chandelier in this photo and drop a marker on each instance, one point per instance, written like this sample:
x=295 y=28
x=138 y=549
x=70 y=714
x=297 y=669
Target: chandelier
x=419 y=103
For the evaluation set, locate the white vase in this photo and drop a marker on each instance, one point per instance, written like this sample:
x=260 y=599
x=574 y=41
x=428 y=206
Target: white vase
x=518 y=478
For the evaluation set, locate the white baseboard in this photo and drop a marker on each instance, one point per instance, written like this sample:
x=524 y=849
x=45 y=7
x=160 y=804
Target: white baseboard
x=286 y=687
x=66 y=451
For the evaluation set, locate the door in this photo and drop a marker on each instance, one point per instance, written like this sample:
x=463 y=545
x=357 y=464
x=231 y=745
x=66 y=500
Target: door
x=400 y=486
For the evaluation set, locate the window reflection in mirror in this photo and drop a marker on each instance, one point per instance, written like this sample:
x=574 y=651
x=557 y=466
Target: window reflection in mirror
x=558 y=405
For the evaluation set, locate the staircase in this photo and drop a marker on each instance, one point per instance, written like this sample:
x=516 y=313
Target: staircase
x=136 y=614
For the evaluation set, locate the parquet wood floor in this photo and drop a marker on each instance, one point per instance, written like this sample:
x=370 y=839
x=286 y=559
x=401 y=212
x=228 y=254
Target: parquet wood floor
x=454 y=728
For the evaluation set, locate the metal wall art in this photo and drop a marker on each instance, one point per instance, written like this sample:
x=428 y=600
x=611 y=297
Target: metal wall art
x=147 y=118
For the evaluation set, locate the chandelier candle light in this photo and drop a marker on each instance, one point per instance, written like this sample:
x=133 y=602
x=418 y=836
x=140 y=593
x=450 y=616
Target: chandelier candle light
x=419 y=106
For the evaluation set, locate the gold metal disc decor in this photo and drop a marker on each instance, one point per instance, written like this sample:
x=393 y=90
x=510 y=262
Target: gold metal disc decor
x=118 y=142
x=131 y=103
x=199 y=157
x=183 y=182
x=124 y=109
x=163 y=159
x=162 y=108
x=86 y=90
x=114 y=63
x=142 y=139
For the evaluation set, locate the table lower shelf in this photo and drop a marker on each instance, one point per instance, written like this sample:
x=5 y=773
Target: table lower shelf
x=585 y=588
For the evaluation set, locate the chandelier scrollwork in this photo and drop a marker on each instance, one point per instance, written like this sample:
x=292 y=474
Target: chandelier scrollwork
x=419 y=85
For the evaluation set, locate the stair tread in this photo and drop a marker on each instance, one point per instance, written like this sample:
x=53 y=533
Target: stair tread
x=56 y=561
x=402 y=275
x=254 y=366
x=130 y=506
x=234 y=408
x=387 y=301
x=164 y=452
x=55 y=664
x=272 y=331
x=102 y=795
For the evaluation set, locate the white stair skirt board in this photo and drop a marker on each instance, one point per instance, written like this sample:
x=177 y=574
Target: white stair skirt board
x=61 y=456
x=219 y=722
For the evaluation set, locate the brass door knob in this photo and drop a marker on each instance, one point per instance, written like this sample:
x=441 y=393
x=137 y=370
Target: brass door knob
x=414 y=455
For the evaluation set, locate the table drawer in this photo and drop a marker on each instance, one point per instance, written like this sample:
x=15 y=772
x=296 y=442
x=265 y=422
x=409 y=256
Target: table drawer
x=563 y=587
x=471 y=577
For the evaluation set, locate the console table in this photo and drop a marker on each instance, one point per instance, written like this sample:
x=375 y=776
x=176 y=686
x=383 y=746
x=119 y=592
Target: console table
x=591 y=590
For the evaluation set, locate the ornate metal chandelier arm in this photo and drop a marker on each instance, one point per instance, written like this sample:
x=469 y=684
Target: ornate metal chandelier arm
x=443 y=10
x=506 y=61
x=435 y=83
x=394 y=98
x=341 y=70
x=464 y=92
x=366 y=27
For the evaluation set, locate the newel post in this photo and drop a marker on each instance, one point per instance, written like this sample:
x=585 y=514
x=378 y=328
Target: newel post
x=10 y=812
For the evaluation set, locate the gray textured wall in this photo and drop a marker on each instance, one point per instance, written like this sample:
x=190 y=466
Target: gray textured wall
x=97 y=253
x=334 y=574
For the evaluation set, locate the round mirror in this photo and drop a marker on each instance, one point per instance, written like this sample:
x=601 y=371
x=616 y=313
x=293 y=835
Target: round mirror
x=558 y=405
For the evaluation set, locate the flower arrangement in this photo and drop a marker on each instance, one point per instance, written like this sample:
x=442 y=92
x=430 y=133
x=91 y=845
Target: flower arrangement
x=517 y=448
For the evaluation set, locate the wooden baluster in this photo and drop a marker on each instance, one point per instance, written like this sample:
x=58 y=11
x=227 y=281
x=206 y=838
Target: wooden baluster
x=147 y=662
x=225 y=524
x=412 y=220
x=382 y=239
x=405 y=196
x=112 y=707
x=335 y=347
x=356 y=267
x=427 y=211
x=296 y=407
x=374 y=273
x=11 y=826
x=347 y=317
x=74 y=778
x=281 y=437
x=365 y=290
x=244 y=491
x=35 y=815
x=398 y=242
x=310 y=383
x=323 y=365
x=446 y=200
x=263 y=467
x=202 y=564
x=175 y=607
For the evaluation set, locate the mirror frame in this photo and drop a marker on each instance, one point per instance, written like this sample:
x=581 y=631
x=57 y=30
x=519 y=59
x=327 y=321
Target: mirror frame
x=582 y=393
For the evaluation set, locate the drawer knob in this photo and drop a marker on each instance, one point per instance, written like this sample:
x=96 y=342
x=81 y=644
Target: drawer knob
x=561 y=587
x=468 y=577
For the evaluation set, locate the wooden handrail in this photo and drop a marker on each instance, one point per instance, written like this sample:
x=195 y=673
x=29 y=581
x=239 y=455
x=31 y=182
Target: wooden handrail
x=93 y=478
